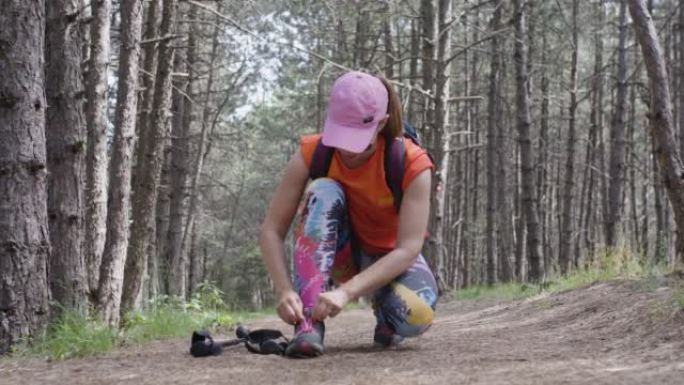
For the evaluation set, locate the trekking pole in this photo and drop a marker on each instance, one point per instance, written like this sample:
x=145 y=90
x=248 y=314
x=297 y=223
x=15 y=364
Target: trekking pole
x=203 y=345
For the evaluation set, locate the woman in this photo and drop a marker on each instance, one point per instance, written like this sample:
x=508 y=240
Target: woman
x=348 y=230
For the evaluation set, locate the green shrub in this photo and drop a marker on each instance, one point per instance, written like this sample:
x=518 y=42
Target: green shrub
x=74 y=335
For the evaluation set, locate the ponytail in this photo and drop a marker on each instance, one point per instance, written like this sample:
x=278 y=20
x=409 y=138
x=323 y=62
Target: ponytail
x=395 y=124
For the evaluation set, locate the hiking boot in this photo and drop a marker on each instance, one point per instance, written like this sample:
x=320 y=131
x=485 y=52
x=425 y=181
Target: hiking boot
x=385 y=337
x=308 y=339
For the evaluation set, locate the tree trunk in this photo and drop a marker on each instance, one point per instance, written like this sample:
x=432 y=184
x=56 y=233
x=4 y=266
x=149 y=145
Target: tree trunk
x=659 y=255
x=595 y=131
x=504 y=223
x=680 y=25
x=179 y=165
x=196 y=268
x=65 y=140
x=114 y=257
x=144 y=202
x=662 y=122
x=96 y=157
x=474 y=163
x=149 y=64
x=644 y=217
x=633 y=162
x=413 y=70
x=568 y=184
x=389 y=50
x=157 y=247
x=529 y=209
x=24 y=236
x=179 y=261
x=616 y=168
x=149 y=69
x=340 y=54
x=362 y=38
x=429 y=38
x=518 y=218
x=492 y=120
x=542 y=156
x=440 y=141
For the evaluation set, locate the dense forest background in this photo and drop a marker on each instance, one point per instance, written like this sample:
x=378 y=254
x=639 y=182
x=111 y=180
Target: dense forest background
x=142 y=140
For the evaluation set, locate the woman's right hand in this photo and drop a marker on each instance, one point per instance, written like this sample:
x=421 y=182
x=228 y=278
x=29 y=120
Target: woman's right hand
x=290 y=308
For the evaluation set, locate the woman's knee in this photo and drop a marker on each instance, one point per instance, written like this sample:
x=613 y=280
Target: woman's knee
x=407 y=312
x=407 y=330
x=326 y=187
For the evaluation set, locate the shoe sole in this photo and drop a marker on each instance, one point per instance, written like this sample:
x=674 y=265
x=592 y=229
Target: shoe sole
x=390 y=342
x=304 y=349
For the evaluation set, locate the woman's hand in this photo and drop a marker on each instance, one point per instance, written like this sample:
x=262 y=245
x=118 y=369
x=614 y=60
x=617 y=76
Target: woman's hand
x=330 y=304
x=290 y=307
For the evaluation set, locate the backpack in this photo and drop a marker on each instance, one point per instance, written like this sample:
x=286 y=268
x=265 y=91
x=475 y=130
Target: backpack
x=394 y=161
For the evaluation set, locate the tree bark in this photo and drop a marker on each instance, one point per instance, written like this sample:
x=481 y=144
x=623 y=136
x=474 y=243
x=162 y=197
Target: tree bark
x=662 y=122
x=680 y=25
x=24 y=237
x=389 y=49
x=149 y=70
x=465 y=169
x=633 y=162
x=542 y=155
x=149 y=60
x=616 y=168
x=529 y=209
x=595 y=131
x=362 y=38
x=114 y=257
x=413 y=71
x=65 y=142
x=504 y=215
x=96 y=157
x=197 y=263
x=179 y=166
x=518 y=217
x=568 y=184
x=492 y=119
x=440 y=141
x=145 y=199
x=429 y=39
x=179 y=261
x=659 y=255
x=157 y=247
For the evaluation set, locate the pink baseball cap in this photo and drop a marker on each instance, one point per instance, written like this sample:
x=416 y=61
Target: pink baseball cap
x=358 y=102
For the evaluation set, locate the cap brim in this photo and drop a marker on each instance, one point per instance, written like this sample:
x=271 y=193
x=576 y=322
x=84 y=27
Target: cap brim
x=352 y=139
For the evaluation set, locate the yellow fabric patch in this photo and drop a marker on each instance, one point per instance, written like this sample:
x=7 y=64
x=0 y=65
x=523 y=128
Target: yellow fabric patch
x=420 y=313
x=386 y=200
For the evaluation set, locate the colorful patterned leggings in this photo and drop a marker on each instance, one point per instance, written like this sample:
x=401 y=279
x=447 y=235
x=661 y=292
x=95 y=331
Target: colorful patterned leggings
x=324 y=255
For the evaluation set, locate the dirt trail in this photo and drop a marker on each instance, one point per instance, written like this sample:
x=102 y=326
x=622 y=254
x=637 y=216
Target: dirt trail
x=609 y=333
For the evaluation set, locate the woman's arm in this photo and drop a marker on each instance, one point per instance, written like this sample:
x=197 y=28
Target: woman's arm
x=282 y=209
x=413 y=221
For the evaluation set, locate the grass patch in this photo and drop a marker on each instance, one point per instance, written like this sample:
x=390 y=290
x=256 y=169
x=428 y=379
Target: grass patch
x=506 y=291
x=678 y=298
x=74 y=335
x=617 y=264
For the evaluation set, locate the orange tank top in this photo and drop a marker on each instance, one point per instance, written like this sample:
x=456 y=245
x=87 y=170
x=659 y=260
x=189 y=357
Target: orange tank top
x=370 y=203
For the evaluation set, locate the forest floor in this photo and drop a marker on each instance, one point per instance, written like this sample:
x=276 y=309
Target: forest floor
x=618 y=332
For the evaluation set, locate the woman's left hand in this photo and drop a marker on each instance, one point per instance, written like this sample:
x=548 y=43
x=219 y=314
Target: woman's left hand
x=330 y=304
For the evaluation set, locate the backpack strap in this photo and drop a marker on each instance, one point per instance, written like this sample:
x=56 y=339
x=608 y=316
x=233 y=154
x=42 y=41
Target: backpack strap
x=394 y=164
x=320 y=163
x=411 y=133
